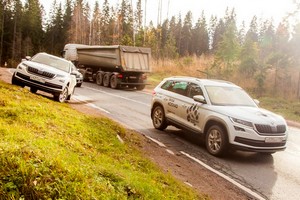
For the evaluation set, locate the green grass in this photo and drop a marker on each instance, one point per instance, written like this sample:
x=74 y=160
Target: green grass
x=289 y=109
x=50 y=151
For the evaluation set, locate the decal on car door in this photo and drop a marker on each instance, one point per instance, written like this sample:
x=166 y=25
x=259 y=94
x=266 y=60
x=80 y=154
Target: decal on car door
x=193 y=114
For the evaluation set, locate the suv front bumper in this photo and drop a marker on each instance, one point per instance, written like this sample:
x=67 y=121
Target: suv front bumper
x=47 y=86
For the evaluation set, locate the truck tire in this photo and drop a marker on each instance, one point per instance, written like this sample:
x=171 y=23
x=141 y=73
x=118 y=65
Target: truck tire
x=114 y=82
x=99 y=78
x=106 y=79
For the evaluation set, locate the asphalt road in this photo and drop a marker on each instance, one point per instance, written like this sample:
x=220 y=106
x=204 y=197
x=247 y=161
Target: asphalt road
x=275 y=177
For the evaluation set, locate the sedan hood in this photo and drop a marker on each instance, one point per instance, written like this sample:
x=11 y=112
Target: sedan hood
x=44 y=67
x=251 y=114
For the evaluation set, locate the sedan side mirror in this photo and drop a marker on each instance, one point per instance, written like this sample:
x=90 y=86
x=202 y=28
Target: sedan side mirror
x=200 y=99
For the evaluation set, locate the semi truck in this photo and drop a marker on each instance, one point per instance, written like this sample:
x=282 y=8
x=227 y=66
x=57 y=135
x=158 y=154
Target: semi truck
x=113 y=66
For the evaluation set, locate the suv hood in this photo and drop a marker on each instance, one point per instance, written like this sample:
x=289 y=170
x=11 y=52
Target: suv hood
x=44 y=67
x=251 y=114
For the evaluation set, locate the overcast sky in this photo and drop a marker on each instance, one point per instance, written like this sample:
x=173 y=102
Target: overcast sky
x=245 y=9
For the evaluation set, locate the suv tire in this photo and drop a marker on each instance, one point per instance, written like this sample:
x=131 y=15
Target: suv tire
x=159 y=118
x=63 y=96
x=216 y=140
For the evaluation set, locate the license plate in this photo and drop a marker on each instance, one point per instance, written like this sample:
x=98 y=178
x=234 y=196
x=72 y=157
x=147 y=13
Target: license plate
x=132 y=77
x=273 y=139
x=35 y=78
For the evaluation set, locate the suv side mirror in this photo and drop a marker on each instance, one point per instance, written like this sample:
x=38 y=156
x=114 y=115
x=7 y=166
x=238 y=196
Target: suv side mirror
x=200 y=99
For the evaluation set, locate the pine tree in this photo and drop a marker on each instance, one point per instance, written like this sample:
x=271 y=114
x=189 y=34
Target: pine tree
x=249 y=55
x=67 y=21
x=106 y=20
x=32 y=29
x=228 y=48
x=125 y=23
x=200 y=37
x=96 y=26
x=186 y=46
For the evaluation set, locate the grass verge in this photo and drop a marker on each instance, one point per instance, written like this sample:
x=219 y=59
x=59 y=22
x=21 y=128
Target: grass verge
x=50 y=151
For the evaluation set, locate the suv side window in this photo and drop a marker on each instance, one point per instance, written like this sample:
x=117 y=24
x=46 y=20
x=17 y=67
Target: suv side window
x=167 y=85
x=194 y=90
x=179 y=87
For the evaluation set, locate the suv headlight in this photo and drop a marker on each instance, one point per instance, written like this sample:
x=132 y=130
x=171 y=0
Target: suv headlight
x=242 y=122
x=22 y=66
x=61 y=78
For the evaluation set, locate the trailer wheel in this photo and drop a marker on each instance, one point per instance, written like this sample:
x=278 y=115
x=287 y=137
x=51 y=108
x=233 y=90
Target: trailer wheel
x=114 y=82
x=99 y=78
x=106 y=79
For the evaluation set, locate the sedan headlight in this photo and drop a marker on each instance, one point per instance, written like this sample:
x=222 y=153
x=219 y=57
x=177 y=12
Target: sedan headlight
x=242 y=122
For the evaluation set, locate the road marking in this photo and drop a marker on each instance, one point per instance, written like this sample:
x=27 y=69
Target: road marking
x=114 y=95
x=170 y=151
x=247 y=190
x=257 y=196
x=156 y=141
x=84 y=99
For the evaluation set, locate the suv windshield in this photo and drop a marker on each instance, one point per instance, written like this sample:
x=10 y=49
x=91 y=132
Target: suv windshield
x=229 y=96
x=52 y=61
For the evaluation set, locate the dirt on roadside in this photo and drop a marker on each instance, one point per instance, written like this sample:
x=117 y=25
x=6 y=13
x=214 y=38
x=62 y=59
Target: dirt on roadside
x=185 y=170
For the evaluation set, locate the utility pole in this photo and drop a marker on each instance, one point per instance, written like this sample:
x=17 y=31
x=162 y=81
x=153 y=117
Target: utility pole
x=133 y=24
x=145 y=17
x=159 y=12
x=168 y=9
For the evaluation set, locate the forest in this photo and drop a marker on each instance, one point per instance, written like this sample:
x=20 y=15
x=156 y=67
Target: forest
x=261 y=53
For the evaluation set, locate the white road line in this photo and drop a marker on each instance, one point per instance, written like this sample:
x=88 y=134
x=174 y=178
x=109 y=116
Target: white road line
x=84 y=99
x=257 y=196
x=247 y=190
x=156 y=141
x=170 y=151
x=101 y=109
x=118 y=96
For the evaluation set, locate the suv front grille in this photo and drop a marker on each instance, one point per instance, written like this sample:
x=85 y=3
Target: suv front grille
x=267 y=129
x=45 y=74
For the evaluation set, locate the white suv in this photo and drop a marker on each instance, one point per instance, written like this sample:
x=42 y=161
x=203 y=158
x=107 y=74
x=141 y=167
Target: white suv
x=47 y=73
x=223 y=113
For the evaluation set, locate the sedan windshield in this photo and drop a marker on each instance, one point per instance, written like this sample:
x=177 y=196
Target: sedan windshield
x=52 y=61
x=229 y=96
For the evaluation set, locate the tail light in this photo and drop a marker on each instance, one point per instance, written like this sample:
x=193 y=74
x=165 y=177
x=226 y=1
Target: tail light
x=143 y=77
x=120 y=76
x=153 y=93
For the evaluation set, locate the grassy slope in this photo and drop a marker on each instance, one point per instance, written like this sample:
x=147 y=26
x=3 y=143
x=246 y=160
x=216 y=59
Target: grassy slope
x=48 y=150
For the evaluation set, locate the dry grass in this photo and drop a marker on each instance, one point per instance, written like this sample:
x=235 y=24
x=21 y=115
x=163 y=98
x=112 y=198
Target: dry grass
x=286 y=84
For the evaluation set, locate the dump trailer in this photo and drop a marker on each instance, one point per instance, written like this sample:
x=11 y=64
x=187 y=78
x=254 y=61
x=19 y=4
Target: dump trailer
x=111 y=66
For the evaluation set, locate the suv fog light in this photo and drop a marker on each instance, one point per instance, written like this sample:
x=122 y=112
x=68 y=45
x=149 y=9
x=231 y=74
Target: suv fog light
x=239 y=129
